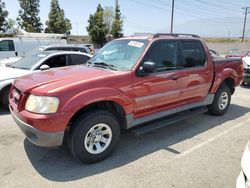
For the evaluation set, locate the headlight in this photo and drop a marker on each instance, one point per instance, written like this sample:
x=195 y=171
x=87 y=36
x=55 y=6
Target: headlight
x=42 y=104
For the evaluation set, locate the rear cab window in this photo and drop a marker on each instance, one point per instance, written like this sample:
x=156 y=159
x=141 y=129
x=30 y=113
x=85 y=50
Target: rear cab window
x=193 y=54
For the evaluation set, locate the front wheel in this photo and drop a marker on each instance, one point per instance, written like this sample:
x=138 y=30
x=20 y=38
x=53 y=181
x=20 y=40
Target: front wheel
x=221 y=101
x=93 y=137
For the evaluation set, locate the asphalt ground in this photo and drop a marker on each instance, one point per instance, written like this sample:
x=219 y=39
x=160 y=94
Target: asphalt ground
x=202 y=151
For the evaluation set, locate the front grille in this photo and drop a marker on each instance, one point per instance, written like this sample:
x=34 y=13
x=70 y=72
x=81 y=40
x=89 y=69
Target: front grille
x=247 y=70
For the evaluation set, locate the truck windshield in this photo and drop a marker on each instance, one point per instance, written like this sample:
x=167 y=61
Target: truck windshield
x=28 y=61
x=119 y=54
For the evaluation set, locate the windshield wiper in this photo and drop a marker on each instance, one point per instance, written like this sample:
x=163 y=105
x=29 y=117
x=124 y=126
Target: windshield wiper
x=105 y=65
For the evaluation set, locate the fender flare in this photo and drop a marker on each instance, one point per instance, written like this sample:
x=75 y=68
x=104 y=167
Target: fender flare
x=220 y=78
x=88 y=97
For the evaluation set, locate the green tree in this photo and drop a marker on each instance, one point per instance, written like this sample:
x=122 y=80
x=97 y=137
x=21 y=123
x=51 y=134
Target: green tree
x=57 y=22
x=116 y=30
x=28 y=18
x=13 y=27
x=97 y=28
x=108 y=17
x=3 y=17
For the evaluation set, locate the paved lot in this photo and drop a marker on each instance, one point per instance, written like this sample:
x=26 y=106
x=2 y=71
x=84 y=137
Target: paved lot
x=202 y=151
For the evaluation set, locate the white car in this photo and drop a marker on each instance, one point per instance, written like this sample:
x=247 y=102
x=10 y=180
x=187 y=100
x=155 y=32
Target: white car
x=246 y=64
x=53 y=47
x=35 y=62
x=243 y=180
x=66 y=47
x=8 y=60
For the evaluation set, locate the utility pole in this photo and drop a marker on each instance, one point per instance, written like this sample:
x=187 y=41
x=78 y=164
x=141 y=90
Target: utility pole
x=245 y=20
x=172 y=17
x=116 y=3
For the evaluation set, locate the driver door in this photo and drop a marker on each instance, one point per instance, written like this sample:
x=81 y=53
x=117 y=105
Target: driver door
x=56 y=61
x=160 y=90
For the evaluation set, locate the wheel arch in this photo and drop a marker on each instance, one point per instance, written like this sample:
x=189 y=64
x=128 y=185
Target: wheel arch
x=230 y=83
x=107 y=105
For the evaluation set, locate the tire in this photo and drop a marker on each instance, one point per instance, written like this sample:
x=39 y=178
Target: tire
x=86 y=137
x=221 y=101
x=5 y=98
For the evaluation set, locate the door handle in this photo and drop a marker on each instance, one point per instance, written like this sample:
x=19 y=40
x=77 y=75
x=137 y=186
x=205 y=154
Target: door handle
x=16 y=53
x=207 y=72
x=174 y=77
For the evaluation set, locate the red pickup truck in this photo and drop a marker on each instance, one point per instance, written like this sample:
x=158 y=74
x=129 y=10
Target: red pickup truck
x=138 y=83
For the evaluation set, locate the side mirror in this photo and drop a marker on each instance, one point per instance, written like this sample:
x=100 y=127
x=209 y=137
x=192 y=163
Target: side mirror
x=147 y=68
x=44 y=67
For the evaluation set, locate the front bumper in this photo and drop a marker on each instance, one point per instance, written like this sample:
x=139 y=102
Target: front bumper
x=38 y=137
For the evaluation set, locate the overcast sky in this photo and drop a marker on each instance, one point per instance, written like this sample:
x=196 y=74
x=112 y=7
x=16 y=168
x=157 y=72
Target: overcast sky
x=212 y=18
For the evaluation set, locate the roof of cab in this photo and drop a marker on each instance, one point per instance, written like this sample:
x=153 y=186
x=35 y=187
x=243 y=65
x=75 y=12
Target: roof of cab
x=162 y=35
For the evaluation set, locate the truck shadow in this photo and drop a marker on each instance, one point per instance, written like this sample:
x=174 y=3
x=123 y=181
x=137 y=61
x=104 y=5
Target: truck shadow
x=4 y=111
x=247 y=86
x=59 y=166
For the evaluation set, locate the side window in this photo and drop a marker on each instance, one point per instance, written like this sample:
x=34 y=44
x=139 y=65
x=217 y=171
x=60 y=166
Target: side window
x=193 y=54
x=66 y=49
x=164 y=54
x=7 y=45
x=56 y=61
x=82 y=50
x=51 y=49
x=75 y=59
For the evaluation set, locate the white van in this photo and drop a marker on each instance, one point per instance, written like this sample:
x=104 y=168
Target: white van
x=20 y=46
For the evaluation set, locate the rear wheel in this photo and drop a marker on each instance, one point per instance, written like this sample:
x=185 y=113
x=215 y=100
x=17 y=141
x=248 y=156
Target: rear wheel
x=94 y=136
x=221 y=101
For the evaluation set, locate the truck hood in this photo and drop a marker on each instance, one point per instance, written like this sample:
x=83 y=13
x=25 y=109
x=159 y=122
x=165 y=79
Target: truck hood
x=7 y=73
x=55 y=79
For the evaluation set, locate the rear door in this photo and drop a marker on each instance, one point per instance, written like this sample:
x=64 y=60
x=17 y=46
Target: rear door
x=77 y=59
x=196 y=72
x=160 y=90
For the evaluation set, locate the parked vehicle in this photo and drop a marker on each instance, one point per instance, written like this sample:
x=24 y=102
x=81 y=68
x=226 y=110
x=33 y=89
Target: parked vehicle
x=246 y=64
x=237 y=53
x=9 y=60
x=243 y=180
x=36 y=62
x=20 y=46
x=131 y=83
x=214 y=54
x=66 y=47
x=52 y=47
x=91 y=48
